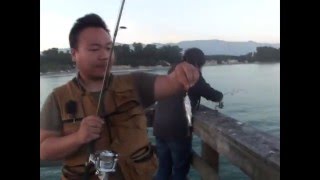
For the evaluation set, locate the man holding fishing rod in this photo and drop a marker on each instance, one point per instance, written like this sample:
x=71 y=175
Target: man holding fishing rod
x=98 y=111
x=172 y=124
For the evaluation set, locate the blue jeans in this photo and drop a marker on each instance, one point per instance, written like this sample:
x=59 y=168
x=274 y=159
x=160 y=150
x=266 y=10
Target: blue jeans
x=174 y=158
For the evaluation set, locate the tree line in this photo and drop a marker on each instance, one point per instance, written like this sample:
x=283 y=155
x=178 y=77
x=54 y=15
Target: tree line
x=263 y=54
x=150 y=55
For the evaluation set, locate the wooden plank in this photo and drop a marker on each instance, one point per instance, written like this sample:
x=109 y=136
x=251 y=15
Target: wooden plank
x=210 y=156
x=203 y=168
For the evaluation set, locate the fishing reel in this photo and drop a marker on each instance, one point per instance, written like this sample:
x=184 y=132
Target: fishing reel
x=219 y=105
x=104 y=161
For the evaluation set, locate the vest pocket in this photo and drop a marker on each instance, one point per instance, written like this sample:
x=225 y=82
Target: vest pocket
x=146 y=169
x=125 y=99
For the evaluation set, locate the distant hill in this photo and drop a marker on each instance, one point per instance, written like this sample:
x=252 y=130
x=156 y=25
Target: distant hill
x=212 y=47
x=217 y=47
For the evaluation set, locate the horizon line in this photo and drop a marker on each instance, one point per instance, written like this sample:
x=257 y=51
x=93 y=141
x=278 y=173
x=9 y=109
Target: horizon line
x=260 y=42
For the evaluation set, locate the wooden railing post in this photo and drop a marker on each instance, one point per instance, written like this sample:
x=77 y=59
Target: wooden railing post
x=211 y=157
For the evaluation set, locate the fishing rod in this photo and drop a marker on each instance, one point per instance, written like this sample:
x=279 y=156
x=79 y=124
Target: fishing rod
x=221 y=104
x=106 y=77
x=104 y=161
x=234 y=91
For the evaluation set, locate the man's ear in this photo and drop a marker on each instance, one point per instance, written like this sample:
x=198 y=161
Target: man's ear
x=73 y=54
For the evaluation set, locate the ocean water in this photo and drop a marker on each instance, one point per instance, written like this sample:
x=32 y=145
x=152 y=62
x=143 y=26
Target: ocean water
x=251 y=95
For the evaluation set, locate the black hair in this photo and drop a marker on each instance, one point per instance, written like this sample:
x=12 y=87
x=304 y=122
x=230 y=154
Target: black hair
x=194 y=56
x=89 y=20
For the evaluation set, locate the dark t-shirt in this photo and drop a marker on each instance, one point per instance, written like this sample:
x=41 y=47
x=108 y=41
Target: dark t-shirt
x=50 y=117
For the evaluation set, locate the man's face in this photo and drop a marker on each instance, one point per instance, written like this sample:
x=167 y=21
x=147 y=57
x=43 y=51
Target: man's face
x=92 y=53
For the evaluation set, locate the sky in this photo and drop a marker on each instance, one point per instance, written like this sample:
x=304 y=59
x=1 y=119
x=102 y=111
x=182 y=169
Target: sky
x=165 y=21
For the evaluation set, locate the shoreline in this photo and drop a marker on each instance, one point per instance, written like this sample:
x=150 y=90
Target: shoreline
x=115 y=69
x=126 y=68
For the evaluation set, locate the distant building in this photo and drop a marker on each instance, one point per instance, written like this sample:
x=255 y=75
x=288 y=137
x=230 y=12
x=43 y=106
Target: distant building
x=232 y=61
x=211 y=62
x=163 y=63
